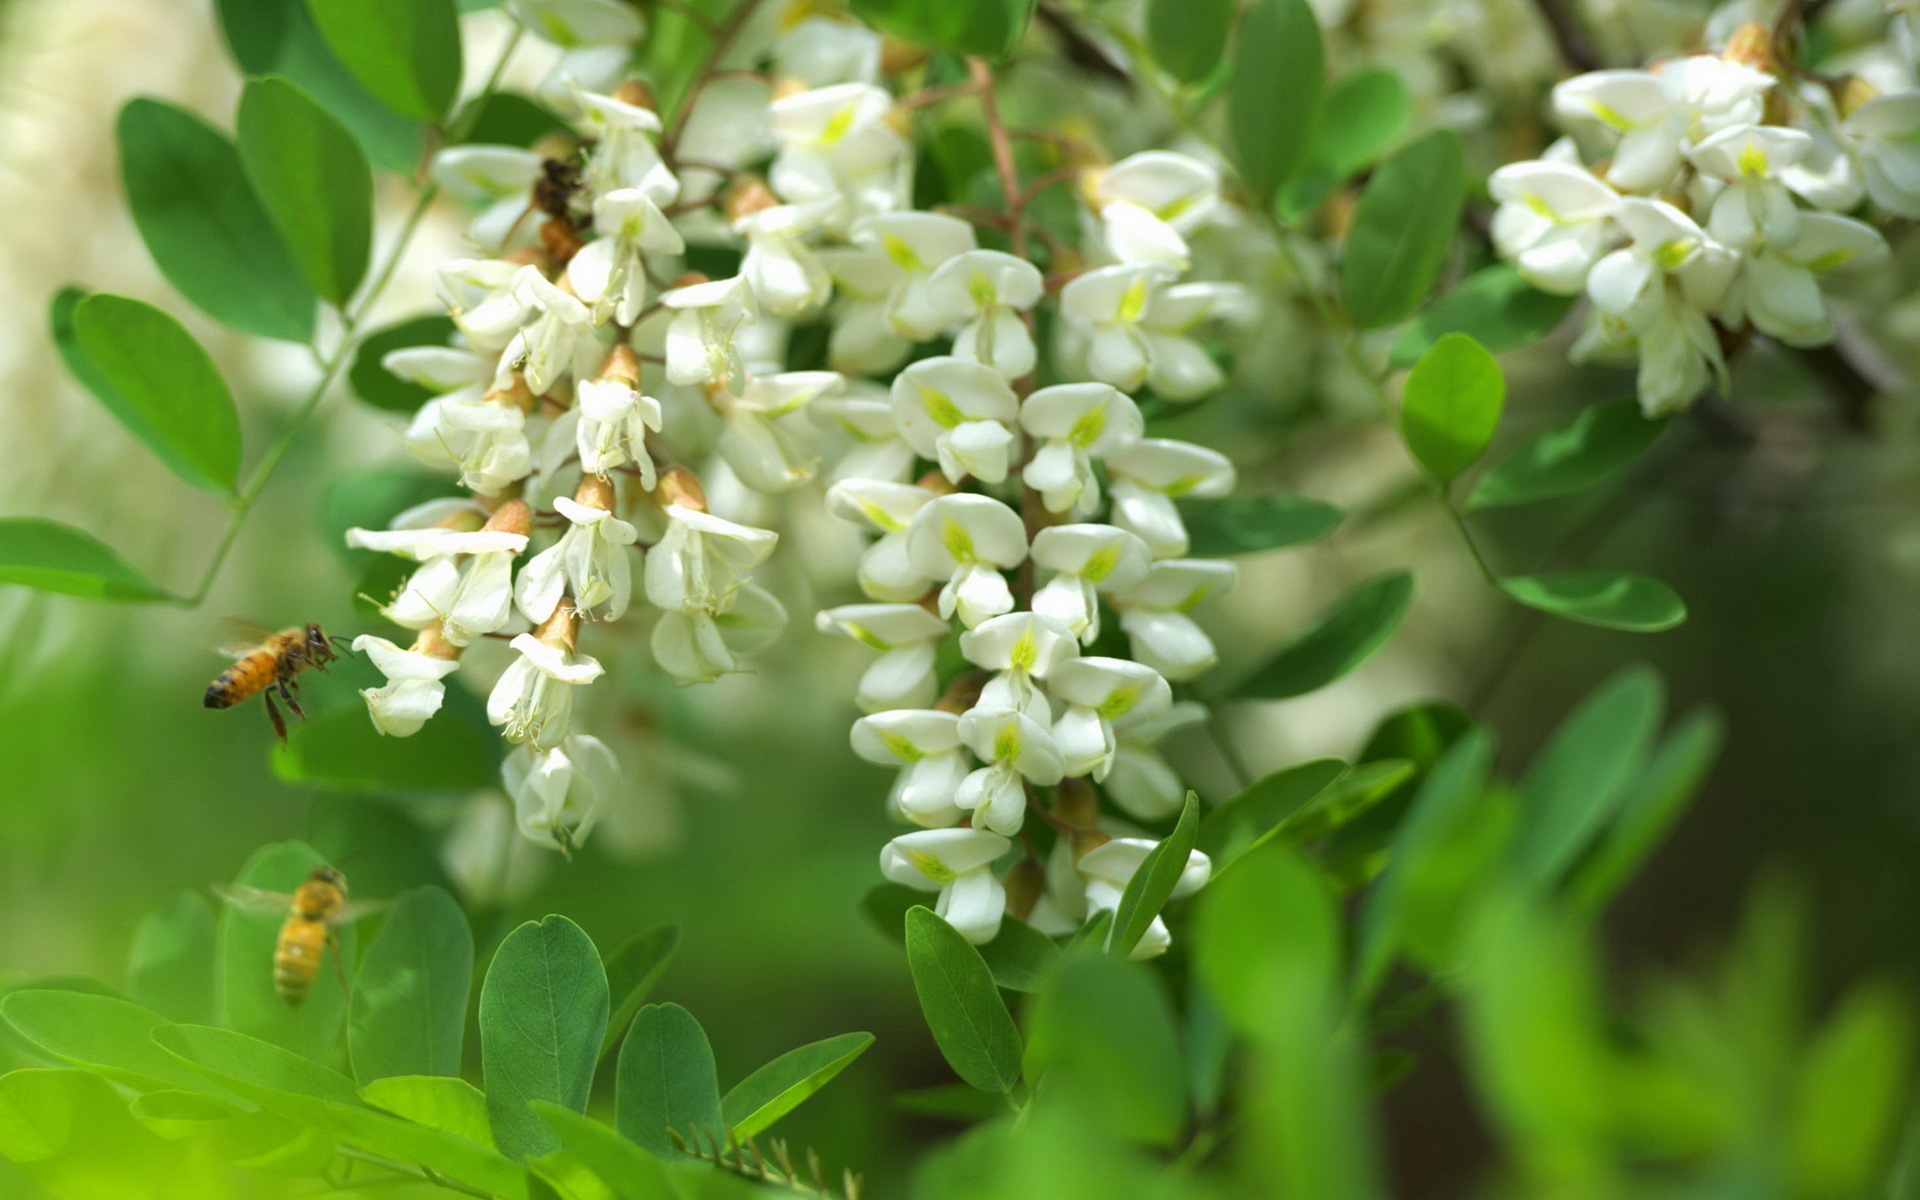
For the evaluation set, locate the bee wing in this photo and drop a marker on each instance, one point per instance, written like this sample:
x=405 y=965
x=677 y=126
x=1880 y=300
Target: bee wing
x=241 y=637
x=354 y=910
x=254 y=900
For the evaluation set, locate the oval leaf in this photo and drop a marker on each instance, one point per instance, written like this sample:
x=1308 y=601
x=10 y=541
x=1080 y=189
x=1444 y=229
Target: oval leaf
x=409 y=1011
x=631 y=1172
x=1267 y=919
x=1501 y=310
x=543 y=1009
x=171 y=966
x=1653 y=803
x=969 y=1020
x=153 y=368
x=101 y=1033
x=1610 y=599
x=1019 y=956
x=1364 y=114
x=1233 y=828
x=1344 y=638
x=779 y=1087
x=313 y=179
x=1402 y=229
x=406 y=52
x=631 y=973
x=665 y=1083
x=1188 y=37
x=1274 y=97
x=449 y=1105
x=380 y=387
x=1451 y=405
x=52 y=557
x=247 y=943
x=1559 y=462
x=205 y=228
x=1152 y=884
x=1247 y=524
x=1104 y=1031
x=1578 y=781
x=989 y=28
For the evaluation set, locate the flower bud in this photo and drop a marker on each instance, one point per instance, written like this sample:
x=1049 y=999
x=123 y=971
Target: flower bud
x=1084 y=840
x=689 y=279
x=897 y=55
x=637 y=93
x=1075 y=803
x=748 y=194
x=1854 y=91
x=682 y=487
x=936 y=482
x=513 y=516
x=787 y=87
x=596 y=491
x=431 y=641
x=1025 y=884
x=562 y=629
x=516 y=393
x=1752 y=46
x=623 y=366
x=963 y=692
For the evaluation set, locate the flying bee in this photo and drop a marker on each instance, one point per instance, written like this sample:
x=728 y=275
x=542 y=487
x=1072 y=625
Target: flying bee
x=314 y=915
x=266 y=664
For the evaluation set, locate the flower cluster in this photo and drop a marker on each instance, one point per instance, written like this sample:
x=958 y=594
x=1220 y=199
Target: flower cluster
x=1705 y=198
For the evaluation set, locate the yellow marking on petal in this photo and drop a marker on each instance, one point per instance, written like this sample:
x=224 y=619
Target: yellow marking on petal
x=1089 y=427
x=1183 y=485
x=1119 y=703
x=1025 y=653
x=930 y=866
x=1193 y=600
x=1829 y=260
x=879 y=516
x=1006 y=743
x=901 y=749
x=1610 y=117
x=557 y=31
x=958 y=542
x=1170 y=211
x=837 y=126
x=1671 y=255
x=980 y=288
x=1133 y=305
x=901 y=253
x=1100 y=564
x=940 y=407
x=863 y=635
x=1752 y=160
x=1539 y=207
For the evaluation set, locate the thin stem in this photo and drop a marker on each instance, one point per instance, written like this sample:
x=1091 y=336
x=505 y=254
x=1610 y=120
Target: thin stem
x=1229 y=753
x=1466 y=535
x=723 y=40
x=1002 y=145
x=1574 y=45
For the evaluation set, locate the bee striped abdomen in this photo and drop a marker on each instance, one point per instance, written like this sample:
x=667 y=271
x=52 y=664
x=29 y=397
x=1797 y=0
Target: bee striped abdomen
x=296 y=958
x=243 y=679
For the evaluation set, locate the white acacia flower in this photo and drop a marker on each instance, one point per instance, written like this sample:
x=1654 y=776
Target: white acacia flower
x=497 y=179
x=707 y=317
x=1149 y=475
x=1140 y=780
x=967 y=540
x=442 y=369
x=1755 y=207
x=415 y=685
x=571 y=24
x=1019 y=648
x=916 y=243
x=702 y=561
x=908 y=638
x=1154 y=613
x=1107 y=869
x=863 y=411
x=1553 y=222
x=1097 y=693
x=786 y=276
x=1643 y=121
x=558 y=794
x=533 y=701
x=957 y=863
x=623 y=155
x=959 y=413
x=699 y=645
x=1017 y=750
x=1661 y=287
x=465 y=579
x=1885 y=132
x=1087 y=561
x=1074 y=424
x=766 y=437
x=983 y=293
x=480 y=296
x=925 y=744
x=1777 y=290
x=821 y=50
x=610 y=272
x=864 y=340
x=1179 y=367
x=1149 y=202
x=1109 y=304
x=483 y=440
x=886 y=572
x=559 y=342
x=835 y=142
x=591 y=563
x=612 y=428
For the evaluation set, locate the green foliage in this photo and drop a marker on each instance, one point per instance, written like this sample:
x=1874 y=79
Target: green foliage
x=409 y=1007
x=1653 y=802
x=405 y=52
x=666 y=1083
x=543 y=1009
x=1104 y=1030
x=988 y=28
x=170 y=967
x=449 y=1105
x=1451 y=406
x=1189 y=37
x=1581 y=776
x=251 y=1005
x=380 y=387
x=1403 y=230
x=313 y=179
x=52 y=557
x=1599 y=441
x=1493 y=305
x=1274 y=96
x=780 y=1086
x=1609 y=599
x=159 y=382
x=632 y=970
x=1245 y=821
x=205 y=228
x=1344 y=638
x=1153 y=883
x=340 y=748
x=1020 y=956
x=1365 y=113
x=969 y=1020
x=1249 y=524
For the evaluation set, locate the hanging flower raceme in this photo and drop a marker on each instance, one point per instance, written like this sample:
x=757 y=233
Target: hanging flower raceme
x=966 y=541
x=907 y=637
x=558 y=794
x=591 y=562
x=956 y=863
x=416 y=680
x=464 y=584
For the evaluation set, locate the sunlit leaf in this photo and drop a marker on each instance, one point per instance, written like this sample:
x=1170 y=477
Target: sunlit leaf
x=1609 y=599
x=1105 y=1030
x=1274 y=98
x=1344 y=801
x=666 y=1082
x=1847 y=1100
x=380 y=387
x=1248 y=524
x=1402 y=230
x=1451 y=405
x=969 y=1020
x=1152 y=884
x=409 y=1009
x=506 y=119
x=543 y=1009
x=52 y=557
x=780 y=1086
x=631 y=1172
x=313 y=179
x=1268 y=919
x=1343 y=639
x=449 y=1105
x=1597 y=443
x=170 y=968
x=1233 y=828
x=100 y=1033
x=405 y=52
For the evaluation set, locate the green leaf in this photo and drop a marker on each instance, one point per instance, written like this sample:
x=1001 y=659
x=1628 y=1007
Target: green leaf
x=449 y=1105
x=205 y=228
x=100 y=1033
x=632 y=970
x=340 y=748
x=1344 y=801
x=543 y=1009
x=1104 y=1031
x=72 y=1134
x=631 y=1172
x=151 y=367
x=405 y=52
x=1654 y=801
x=1598 y=442
x=1255 y=926
x=277 y=37
x=1364 y=114
x=380 y=387
x=1274 y=98
x=409 y=1011
x=1402 y=230
x=1609 y=599
x=885 y=907
x=1019 y=956
x=779 y=1087
x=256 y=1066
x=988 y=28
x=1846 y=1103
x=171 y=966
x=1188 y=37
x=1498 y=308
x=1247 y=524
x=1343 y=639
x=313 y=179
x=52 y=557
x=1579 y=780
x=969 y=1020
x=1152 y=884
x=666 y=1080
x=506 y=119
x=1451 y=405
x=1238 y=825
x=247 y=942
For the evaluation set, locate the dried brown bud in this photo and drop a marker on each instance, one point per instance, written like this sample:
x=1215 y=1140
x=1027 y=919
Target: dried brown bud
x=464 y=520
x=596 y=491
x=936 y=483
x=431 y=641
x=1087 y=839
x=897 y=55
x=1026 y=882
x=963 y=692
x=562 y=629
x=1853 y=92
x=516 y=393
x=637 y=93
x=1752 y=46
x=513 y=516
x=689 y=279
x=748 y=194
x=1075 y=803
x=788 y=86
x=623 y=366
x=682 y=487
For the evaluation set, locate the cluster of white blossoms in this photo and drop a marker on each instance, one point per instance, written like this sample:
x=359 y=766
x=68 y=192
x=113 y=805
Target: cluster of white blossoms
x=592 y=374
x=1704 y=198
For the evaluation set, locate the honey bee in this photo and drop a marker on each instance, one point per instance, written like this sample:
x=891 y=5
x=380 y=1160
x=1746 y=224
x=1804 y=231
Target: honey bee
x=267 y=663
x=314 y=915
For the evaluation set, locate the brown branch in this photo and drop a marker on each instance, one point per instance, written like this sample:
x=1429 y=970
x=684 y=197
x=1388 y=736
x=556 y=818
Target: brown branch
x=1081 y=50
x=722 y=42
x=1575 y=47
